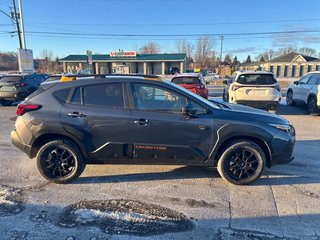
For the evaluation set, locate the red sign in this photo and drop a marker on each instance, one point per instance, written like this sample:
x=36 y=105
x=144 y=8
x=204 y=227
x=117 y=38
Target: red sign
x=123 y=54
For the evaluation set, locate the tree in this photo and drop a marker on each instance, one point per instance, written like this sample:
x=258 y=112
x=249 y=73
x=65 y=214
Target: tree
x=235 y=61
x=285 y=51
x=150 y=48
x=184 y=46
x=262 y=59
x=248 y=60
x=267 y=55
x=308 y=51
x=227 y=59
x=204 y=51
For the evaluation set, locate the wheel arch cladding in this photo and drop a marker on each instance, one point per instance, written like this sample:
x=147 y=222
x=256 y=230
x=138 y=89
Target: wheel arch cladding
x=47 y=137
x=262 y=144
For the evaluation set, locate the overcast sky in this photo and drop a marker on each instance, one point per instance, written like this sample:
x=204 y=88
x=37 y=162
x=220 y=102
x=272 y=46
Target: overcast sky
x=73 y=26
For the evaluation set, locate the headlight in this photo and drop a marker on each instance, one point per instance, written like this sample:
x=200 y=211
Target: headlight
x=286 y=128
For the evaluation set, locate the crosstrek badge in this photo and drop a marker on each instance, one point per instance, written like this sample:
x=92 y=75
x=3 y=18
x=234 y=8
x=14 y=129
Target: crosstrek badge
x=148 y=147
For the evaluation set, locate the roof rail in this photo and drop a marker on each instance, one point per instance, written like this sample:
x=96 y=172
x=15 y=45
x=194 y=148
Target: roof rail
x=104 y=75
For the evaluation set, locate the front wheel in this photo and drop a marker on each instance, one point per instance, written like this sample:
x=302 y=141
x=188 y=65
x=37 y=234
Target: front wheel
x=312 y=106
x=289 y=99
x=242 y=162
x=60 y=161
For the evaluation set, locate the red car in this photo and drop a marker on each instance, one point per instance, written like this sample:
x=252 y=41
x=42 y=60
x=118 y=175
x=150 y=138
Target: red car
x=194 y=82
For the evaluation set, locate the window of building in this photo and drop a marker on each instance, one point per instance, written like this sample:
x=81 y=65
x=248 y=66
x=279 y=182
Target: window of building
x=294 y=70
x=318 y=68
x=301 y=71
x=278 y=71
x=309 y=68
x=285 y=74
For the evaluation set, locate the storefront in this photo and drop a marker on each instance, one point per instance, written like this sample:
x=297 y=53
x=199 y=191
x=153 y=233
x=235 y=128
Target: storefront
x=125 y=63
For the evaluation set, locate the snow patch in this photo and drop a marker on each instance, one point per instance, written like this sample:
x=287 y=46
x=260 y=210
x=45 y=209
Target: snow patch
x=6 y=194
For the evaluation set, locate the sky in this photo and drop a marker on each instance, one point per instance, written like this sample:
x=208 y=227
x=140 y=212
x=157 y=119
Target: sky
x=74 y=26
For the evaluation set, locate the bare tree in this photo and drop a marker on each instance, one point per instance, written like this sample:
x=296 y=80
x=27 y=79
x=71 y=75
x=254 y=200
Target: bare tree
x=203 y=50
x=285 y=51
x=267 y=55
x=308 y=51
x=150 y=48
x=48 y=59
x=183 y=46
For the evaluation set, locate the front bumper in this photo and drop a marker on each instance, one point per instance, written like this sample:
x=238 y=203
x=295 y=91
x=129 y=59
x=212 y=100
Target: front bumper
x=17 y=142
x=283 y=148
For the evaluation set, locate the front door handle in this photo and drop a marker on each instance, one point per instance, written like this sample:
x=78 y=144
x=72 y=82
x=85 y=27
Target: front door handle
x=142 y=122
x=76 y=115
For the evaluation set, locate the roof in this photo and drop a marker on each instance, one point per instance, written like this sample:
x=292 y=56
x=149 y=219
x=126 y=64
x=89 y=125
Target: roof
x=137 y=58
x=186 y=75
x=291 y=56
x=253 y=72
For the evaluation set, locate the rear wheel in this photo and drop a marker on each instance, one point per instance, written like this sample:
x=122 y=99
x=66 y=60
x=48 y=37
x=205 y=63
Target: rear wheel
x=312 y=106
x=289 y=99
x=242 y=162
x=60 y=161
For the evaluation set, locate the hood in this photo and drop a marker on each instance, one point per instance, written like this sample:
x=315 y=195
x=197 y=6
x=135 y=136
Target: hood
x=245 y=113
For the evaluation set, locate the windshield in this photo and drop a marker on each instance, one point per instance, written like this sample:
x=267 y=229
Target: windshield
x=256 y=79
x=207 y=102
x=10 y=79
x=185 y=80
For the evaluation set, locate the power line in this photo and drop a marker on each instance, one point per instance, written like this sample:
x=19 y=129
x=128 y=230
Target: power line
x=175 y=35
x=177 y=24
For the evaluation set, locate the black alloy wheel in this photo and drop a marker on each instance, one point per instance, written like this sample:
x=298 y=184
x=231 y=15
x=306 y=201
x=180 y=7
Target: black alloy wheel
x=312 y=106
x=60 y=161
x=289 y=99
x=242 y=162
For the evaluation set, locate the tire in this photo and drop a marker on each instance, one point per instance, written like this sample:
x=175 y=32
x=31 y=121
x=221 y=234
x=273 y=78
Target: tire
x=312 y=106
x=5 y=102
x=223 y=95
x=245 y=158
x=289 y=99
x=60 y=161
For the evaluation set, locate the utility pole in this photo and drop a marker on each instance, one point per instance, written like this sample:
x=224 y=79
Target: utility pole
x=22 y=25
x=17 y=22
x=221 y=38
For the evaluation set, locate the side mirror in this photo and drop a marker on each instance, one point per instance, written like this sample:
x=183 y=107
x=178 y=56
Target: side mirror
x=296 y=82
x=226 y=82
x=207 y=83
x=190 y=111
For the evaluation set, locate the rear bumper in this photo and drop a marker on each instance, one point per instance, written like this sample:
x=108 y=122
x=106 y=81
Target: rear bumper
x=13 y=96
x=17 y=142
x=259 y=104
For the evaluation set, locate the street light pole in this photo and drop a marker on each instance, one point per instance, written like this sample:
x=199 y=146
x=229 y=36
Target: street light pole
x=22 y=26
x=221 y=38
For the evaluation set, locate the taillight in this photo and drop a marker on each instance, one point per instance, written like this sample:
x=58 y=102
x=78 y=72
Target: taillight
x=200 y=86
x=235 y=87
x=23 y=108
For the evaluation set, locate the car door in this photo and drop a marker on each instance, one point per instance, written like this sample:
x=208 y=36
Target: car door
x=162 y=132
x=311 y=87
x=98 y=116
x=300 y=88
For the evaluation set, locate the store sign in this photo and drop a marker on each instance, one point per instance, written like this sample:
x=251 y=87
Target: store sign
x=25 y=59
x=123 y=54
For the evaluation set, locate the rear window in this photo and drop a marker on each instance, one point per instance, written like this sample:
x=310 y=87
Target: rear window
x=11 y=79
x=185 y=80
x=256 y=79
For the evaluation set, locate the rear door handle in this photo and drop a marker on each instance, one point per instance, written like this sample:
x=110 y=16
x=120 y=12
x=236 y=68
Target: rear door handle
x=143 y=122
x=76 y=115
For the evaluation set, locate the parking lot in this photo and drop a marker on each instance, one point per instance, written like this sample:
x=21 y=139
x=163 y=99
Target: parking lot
x=162 y=202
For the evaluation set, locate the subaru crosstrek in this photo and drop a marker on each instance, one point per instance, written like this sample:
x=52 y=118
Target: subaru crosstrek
x=139 y=120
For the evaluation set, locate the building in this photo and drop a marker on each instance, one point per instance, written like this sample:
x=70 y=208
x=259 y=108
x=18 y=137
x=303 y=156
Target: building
x=126 y=62
x=292 y=65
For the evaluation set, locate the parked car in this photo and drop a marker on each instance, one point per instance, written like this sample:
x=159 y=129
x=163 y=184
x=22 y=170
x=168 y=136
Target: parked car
x=306 y=91
x=16 y=87
x=194 y=82
x=254 y=88
x=130 y=119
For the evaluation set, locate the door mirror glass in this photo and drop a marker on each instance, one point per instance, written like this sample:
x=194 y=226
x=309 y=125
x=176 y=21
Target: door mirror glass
x=296 y=82
x=190 y=111
x=226 y=81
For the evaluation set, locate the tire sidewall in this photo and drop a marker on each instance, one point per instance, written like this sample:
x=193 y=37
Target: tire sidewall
x=73 y=150
x=223 y=162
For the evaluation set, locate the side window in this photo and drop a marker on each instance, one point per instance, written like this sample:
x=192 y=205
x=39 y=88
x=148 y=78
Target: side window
x=76 y=97
x=154 y=98
x=313 y=80
x=304 y=79
x=62 y=95
x=103 y=95
x=318 y=79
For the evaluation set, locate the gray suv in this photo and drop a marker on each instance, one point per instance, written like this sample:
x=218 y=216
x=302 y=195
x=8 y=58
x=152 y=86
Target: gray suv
x=142 y=120
x=16 y=87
